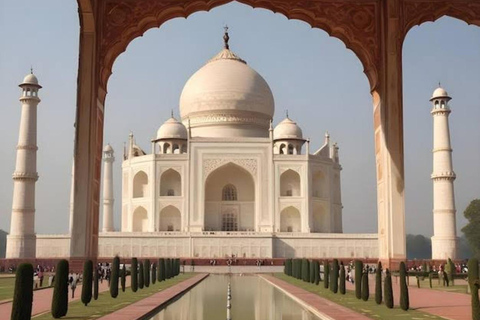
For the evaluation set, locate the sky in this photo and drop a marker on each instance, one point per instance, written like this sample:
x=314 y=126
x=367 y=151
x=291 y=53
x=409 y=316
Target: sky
x=314 y=76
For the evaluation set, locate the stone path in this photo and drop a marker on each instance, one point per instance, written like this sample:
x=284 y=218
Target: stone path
x=327 y=308
x=449 y=305
x=138 y=309
x=42 y=299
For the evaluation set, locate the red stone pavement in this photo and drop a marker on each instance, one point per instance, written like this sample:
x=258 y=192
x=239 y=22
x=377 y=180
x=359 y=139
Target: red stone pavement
x=138 y=309
x=450 y=305
x=322 y=305
x=42 y=299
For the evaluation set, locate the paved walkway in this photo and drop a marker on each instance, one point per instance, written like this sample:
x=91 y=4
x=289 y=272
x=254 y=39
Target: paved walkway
x=327 y=308
x=449 y=305
x=42 y=299
x=138 y=309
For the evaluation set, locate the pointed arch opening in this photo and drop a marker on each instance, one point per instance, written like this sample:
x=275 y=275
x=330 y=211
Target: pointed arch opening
x=140 y=220
x=170 y=219
x=170 y=183
x=140 y=185
x=290 y=220
x=290 y=184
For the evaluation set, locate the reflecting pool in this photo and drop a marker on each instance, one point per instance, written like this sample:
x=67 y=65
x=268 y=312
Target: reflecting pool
x=252 y=299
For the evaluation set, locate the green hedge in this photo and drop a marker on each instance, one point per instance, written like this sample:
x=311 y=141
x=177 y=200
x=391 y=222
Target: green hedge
x=134 y=275
x=146 y=271
x=141 y=275
x=473 y=282
x=358 y=278
x=87 y=282
x=23 y=293
x=123 y=279
x=342 y=279
x=60 y=290
x=404 y=300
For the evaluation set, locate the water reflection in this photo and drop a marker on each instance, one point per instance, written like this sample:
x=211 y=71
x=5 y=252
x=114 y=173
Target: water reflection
x=252 y=299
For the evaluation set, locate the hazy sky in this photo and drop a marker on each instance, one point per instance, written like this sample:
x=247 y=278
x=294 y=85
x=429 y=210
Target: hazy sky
x=312 y=75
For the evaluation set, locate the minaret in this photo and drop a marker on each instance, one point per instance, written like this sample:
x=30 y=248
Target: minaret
x=444 y=240
x=21 y=242
x=108 y=160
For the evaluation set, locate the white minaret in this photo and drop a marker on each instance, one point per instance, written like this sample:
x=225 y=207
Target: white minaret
x=108 y=160
x=21 y=242
x=444 y=240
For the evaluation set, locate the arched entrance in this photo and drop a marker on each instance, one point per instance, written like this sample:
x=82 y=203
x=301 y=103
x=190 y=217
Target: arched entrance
x=290 y=220
x=170 y=184
x=230 y=199
x=140 y=220
x=170 y=219
x=140 y=185
x=290 y=184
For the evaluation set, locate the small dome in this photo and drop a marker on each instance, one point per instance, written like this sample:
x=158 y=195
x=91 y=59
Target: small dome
x=287 y=129
x=172 y=129
x=108 y=148
x=30 y=79
x=440 y=93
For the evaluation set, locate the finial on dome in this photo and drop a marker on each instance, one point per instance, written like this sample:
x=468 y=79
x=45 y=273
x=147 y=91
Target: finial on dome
x=286 y=113
x=226 y=38
x=439 y=84
x=31 y=69
x=171 y=113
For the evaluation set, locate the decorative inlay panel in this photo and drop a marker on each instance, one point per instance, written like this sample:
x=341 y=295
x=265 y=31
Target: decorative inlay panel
x=210 y=165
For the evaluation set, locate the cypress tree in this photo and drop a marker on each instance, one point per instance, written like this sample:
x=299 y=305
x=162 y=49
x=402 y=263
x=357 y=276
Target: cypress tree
x=168 y=267
x=23 y=294
x=177 y=261
x=60 y=290
x=365 y=287
x=316 y=268
x=334 y=276
x=342 y=279
x=134 y=275
x=114 y=277
x=358 y=278
x=172 y=268
x=451 y=271
x=474 y=284
x=87 y=282
x=305 y=270
x=388 y=290
x=326 y=274
x=288 y=264
x=95 y=284
x=404 y=300
x=294 y=268
x=141 y=275
x=123 y=279
x=312 y=271
x=146 y=271
x=161 y=269
x=378 y=283
x=154 y=273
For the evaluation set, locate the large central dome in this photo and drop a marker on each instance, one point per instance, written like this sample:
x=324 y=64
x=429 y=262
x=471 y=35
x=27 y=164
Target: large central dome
x=227 y=98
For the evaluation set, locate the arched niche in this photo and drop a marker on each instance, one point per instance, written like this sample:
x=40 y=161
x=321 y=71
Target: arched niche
x=140 y=220
x=290 y=184
x=320 y=221
x=170 y=219
x=319 y=185
x=170 y=183
x=140 y=185
x=236 y=212
x=290 y=220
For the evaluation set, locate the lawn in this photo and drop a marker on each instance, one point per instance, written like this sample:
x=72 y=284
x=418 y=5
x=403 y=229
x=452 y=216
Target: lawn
x=368 y=308
x=7 y=284
x=106 y=304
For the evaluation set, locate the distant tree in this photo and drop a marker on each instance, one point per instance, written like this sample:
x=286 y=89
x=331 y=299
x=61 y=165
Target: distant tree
x=114 y=277
x=358 y=278
x=326 y=274
x=378 y=283
x=141 y=275
x=146 y=271
x=342 y=279
x=87 y=282
x=388 y=290
x=134 y=275
x=154 y=273
x=418 y=247
x=365 y=287
x=60 y=290
x=23 y=293
x=123 y=278
x=404 y=300
x=473 y=282
x=472 y=213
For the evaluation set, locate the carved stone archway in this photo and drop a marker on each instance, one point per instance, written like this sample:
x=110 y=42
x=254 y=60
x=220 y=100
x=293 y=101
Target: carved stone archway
x=373 y=29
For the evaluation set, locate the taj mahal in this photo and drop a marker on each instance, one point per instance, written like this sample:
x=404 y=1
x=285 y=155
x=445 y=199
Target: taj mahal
x=222 y=180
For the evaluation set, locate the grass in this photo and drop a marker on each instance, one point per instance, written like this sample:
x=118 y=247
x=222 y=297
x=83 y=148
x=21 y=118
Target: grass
x=368 y=308
x=106 y=304
x=7 y=285
x=458 y=288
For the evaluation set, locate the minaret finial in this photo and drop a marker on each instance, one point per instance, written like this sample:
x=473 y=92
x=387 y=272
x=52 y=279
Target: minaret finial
x=286 y=113
x=31 y=69
x=226 y=38
x=171 y=113
x=439 y=84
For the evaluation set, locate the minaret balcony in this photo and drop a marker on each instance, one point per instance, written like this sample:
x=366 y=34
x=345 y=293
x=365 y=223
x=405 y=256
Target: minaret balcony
x=449 y=175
